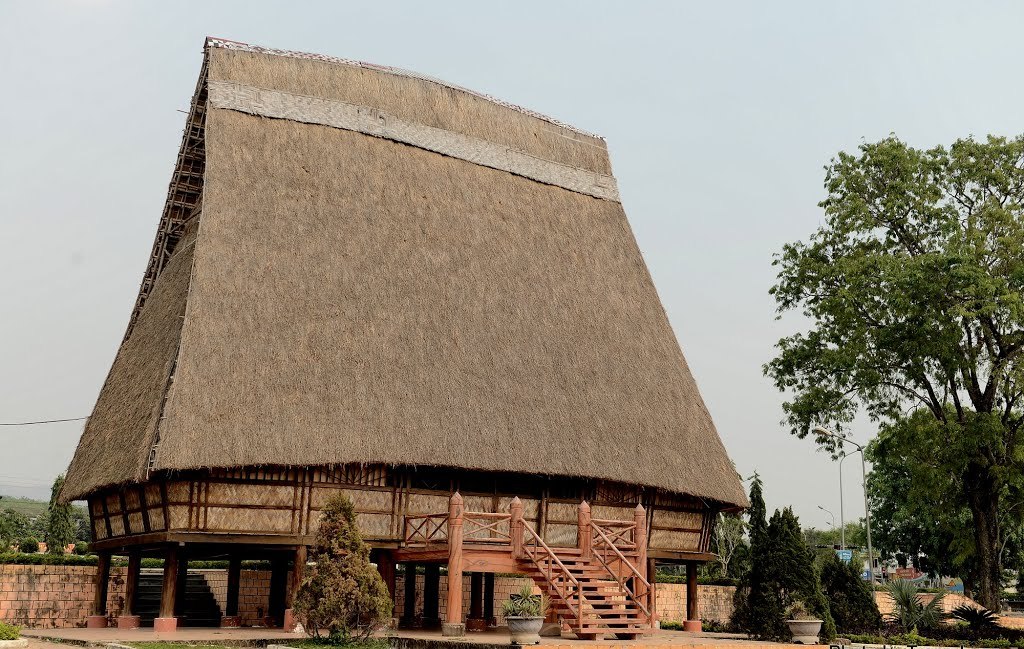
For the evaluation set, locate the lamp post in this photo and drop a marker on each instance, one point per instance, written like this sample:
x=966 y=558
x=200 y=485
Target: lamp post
x=864 y=483
x=830 y=514
x=842 y=518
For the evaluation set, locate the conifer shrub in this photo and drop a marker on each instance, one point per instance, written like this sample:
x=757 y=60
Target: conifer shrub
x=343 y=595
x=850 y=599
x=29 y=545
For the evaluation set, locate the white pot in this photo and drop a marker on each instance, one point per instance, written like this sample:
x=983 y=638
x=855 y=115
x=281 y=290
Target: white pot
x=804 y=631
x=525 y=630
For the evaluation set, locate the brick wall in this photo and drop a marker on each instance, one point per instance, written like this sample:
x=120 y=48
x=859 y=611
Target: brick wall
x=49 y=597
x=253 y=592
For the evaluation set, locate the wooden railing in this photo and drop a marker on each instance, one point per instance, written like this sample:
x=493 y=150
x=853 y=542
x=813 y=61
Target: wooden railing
x=631 y=580
x=426 y=528
x=565 y=587
x=487 y=527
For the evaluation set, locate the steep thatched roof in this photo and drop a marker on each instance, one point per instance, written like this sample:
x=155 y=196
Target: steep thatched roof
x=391 y=269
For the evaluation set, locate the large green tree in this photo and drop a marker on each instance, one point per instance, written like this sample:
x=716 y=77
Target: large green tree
x=913 y=289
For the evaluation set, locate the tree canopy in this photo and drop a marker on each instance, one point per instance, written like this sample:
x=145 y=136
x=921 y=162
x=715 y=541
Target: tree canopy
x=913 y=288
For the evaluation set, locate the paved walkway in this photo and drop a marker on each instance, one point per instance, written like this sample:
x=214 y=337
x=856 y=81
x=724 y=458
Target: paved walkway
x=250 y=637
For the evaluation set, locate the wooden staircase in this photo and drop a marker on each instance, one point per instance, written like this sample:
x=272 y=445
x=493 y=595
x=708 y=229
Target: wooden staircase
x=597 y=589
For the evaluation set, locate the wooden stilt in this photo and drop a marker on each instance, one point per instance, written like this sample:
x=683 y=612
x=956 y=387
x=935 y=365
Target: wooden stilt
x=169 y=594
x=98 y=619
x=476 y=620
x=652 y=572
x=431 y=596
x=128 y=619
x=278 y=591
x=489 y=616
x=231 y=618
x=692 y=623
x=409 y=605
x=295 y=577
x=454 y=625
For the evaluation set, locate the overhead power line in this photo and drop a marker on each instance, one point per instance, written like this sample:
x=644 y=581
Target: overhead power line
x=45 y=421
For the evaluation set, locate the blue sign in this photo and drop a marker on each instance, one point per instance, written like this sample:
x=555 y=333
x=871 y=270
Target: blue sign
x=846 y=556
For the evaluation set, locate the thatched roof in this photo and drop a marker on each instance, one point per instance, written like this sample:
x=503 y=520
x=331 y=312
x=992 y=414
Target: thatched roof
x=389 y=269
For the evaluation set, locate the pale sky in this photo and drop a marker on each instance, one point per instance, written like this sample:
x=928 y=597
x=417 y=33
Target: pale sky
x=720 y=117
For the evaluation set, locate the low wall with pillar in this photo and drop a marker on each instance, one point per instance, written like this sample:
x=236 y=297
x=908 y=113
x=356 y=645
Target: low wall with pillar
x=51 y=597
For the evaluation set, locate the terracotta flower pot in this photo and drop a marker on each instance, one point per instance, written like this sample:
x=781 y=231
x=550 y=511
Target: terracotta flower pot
x=804 y=631
x=525 y=630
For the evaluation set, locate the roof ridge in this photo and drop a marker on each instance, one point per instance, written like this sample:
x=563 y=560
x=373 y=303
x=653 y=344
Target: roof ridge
x=212 y=41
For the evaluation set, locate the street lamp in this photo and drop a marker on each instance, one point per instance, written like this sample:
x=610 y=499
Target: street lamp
x=864 y=482
x=830 y=514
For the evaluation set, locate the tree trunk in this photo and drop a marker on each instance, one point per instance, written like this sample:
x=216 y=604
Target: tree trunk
x=983 y=497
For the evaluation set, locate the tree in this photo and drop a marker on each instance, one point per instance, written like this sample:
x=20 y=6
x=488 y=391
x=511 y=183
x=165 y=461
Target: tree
x=343 y=593
x=61 y=526
x=757 y=526
x=14 y=526
x=851 y=600
x=914 y=287
x=729 y=537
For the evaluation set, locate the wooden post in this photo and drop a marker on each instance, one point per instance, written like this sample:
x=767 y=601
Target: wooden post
x=231 y=619
x=294 y=581
x=476 y=621
x=409 y=605
x=585 y=538
x=98 y=619
x=652 y=575
x=278 y=591
x=489 y=600
x=640 y=540
x=692 y=622
x=128 y=619
x=179 y=601
x=169 y=594
x=516 y=527
x=453 y=625
x=432 y=596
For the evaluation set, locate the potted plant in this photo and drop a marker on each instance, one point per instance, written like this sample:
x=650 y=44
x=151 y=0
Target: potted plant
x=802 y=623
x=524 y=612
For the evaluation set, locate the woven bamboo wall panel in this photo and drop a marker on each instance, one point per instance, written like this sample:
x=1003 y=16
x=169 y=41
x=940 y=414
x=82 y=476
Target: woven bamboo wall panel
x=563 y=513
x=670 y=540
x=135 y=522
x=178 y=492
x=232 y=493
x=427 y=503
x=612 y=513
x=679 y=520
x=153 y=495
x=565 y=536
x=113 y=504
x=228 y=519
x=373 y=526
x=156 y=519
x=362 y=499
x=116 y=525
x=178 y=516
x=478 y=503
x=131 y=498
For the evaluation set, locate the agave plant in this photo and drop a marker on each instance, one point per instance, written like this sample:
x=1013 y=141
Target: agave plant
x=909 y=612
x=977 y=617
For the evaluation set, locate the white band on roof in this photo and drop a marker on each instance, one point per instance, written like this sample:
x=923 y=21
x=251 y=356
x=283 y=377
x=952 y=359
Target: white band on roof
x=371 y=121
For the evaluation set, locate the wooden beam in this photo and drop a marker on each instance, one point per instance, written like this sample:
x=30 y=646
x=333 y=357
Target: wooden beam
x=691 y=591
x=169 y=593
x=131 y=584
x=454 y=611
x=409 y=599
x=234 y=581
x=99 y=602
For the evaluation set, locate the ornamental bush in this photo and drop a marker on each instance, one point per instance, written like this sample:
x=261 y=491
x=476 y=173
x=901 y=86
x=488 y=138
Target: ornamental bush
x=343 y=595
x=850 y=599
x=9 y=632
x=29 y=545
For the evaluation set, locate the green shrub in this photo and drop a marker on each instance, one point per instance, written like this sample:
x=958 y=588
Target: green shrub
x=909 y=612
x=850 y=599
x=714 y=626
x=671 y=625
x=9 y=631
x=977 y=618
x=29 y=545
x=81 y=548
x=343 y=594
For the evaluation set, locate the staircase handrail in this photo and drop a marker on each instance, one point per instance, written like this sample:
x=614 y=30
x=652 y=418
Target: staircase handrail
x=564 y=574
x=621 y=527
x=490 y=522
x=619 y=579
